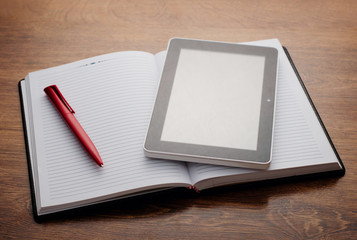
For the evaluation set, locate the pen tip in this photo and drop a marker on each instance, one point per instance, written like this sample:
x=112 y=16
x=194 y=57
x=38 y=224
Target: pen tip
x=101 y=165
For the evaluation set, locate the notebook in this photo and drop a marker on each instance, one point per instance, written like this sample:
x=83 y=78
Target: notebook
x=113 y=97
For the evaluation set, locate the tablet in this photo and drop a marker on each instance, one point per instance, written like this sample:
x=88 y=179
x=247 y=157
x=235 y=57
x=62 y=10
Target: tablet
x=215 y=104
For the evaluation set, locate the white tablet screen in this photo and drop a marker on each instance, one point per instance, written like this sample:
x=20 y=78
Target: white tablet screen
x=215 y=100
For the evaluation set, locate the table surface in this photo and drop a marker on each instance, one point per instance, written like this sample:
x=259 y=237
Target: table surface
x=321 y=36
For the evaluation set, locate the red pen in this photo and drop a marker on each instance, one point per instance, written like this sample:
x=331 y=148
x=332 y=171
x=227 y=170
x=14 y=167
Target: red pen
x=68 y=115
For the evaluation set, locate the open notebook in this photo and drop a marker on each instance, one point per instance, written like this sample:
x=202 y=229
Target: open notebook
x=113 y=96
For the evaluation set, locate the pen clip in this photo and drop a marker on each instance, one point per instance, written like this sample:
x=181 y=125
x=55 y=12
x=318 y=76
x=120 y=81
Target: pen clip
x=59 y=94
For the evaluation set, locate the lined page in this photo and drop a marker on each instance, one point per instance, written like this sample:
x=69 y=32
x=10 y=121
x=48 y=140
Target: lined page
x=113 y=97
x=298 y=142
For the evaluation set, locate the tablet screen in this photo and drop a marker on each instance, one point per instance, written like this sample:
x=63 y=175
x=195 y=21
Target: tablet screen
x=215 y=99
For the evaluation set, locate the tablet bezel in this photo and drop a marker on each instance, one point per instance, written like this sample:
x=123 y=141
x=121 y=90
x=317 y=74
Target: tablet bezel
x=155 y=147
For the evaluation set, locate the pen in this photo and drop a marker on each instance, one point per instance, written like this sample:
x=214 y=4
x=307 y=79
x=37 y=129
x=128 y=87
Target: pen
x=67 y=113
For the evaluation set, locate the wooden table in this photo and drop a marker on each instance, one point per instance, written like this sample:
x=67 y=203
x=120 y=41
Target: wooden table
x=322 y=39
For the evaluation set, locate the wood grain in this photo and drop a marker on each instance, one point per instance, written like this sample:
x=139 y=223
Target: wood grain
x=321 y=37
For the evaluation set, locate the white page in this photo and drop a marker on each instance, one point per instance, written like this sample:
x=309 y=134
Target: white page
x=113 y=97
x=299 y=142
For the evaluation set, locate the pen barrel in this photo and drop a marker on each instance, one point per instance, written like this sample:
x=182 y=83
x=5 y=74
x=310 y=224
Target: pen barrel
x=82 y=137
